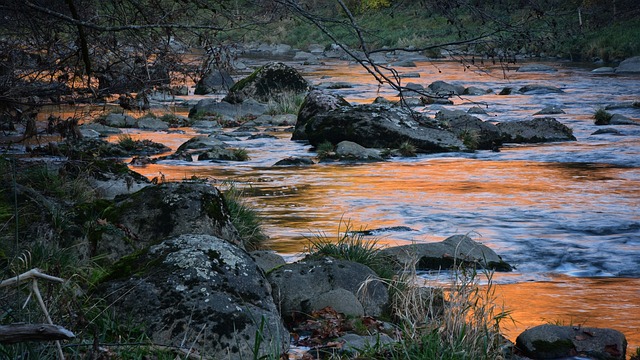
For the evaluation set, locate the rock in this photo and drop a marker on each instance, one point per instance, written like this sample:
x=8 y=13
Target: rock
x=267 y=260
x=270 y=81
x=454 y=250
x=403 y=63
x=380 y=126
x=409 y=75
x=539 y=89
x=154 y=213
x=103 y=130
x=550 y=110
x=619 y=119
x=506 y=91
x=315 y=49
x=89 y=133
x=623 y=105
x=341 y=300
x=475 y=133
x=553 y=342
x=354 y=344
x=443 y=88
x=607 y=131
x=536 y=68
x=304 y=56
x=222 y=154
x=119 y=120
x=234 y=111
x=215 y=81
x=472 y=90
x=316 y=101
x=347 y=150
x=297 y=286
x=294 y=161
x=198 y=292
x=477 y=110
x=150 y=123
x=629 y=66
x=603 y=70
x=535 y=131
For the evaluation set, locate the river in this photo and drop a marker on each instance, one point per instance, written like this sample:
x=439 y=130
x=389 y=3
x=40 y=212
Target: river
x=565 y=214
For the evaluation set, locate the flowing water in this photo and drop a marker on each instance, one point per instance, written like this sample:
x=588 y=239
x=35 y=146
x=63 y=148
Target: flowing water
x=565 y=214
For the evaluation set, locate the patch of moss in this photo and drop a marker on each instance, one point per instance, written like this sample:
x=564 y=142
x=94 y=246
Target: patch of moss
x=137 y=263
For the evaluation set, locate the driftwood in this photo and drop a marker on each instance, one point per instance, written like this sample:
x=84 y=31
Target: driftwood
x=10 y=334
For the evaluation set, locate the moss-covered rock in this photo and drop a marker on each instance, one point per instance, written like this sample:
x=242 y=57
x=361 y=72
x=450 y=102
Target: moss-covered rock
x=270 y=81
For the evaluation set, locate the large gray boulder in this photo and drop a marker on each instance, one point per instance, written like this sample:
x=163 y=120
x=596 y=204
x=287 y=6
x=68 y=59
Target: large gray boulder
x=381 y=126
x=536 y=130
x=316 y=102
x=308 y=285
x=223 y=108
x=271 y=81
x=555 y=342
x=347 y=150
x=453 y=251
x=440 y=88
x=198 y=292
x=216 y=80
x=144 y=218
x=474 y=133
x=629 y=66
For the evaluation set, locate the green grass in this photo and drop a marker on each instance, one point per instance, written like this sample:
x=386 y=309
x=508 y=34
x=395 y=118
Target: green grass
x=407 y=149
x=325 y=150
x=602 y=117
x=353 y=246
x=618 y=40
x=245 y=218
x=126 y=142
x=286 y=104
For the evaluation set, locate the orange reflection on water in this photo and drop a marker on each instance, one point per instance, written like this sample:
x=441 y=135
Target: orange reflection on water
x=591 y=302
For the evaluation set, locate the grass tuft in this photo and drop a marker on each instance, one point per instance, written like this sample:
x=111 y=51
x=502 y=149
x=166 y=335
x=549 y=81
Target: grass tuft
x=407 y=149
x=288 y=103
x=245 y=219
x=602 y=117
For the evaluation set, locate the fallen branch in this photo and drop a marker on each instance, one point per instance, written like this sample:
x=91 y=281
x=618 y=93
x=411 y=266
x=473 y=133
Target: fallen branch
x=10 y=334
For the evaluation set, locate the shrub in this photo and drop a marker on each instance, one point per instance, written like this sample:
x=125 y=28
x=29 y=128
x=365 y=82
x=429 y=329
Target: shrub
x=245 y=219
x=602 y=117
x=407 y=149
x=325 y=150
x=126 y=142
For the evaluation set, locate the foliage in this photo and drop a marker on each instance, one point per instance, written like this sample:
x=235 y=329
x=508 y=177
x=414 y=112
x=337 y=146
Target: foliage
x=126 y=142
x=325 y=150
x=602 y=117
x=406 y=148
x=285 y=104
x=353 y=246
x=245 y=218
x=241 y=154
x=470 y=139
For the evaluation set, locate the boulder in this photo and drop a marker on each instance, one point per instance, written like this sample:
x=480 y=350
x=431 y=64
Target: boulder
x=223 y=108
x=472 y=90
x=454 y=250
x=316 y=102
x=539 y=89
x=101 y=129
x=475 y=133
x=151 y=123
x=554 y=342
x=550 y=110
x=118 y=121
x=444 y=88
x=294 y=161
x=198 y=292
x=380 y=126
x=271 y=81
x=536 y=68
x=267 y=260
x=144 y=218
x=217 y=80
x=535 y=131
x=629 y=66
x=604 y=70
x=347 y=150
x=309 y=285
x=619 y=119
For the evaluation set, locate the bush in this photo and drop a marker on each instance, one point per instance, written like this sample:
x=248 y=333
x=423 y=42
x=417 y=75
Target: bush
x=325 y=150
x=602 y=117
x=407 y=149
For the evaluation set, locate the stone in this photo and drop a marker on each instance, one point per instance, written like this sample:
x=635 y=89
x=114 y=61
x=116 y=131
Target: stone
x=553 y=342
x=150 y=123
x=444 y=88
x=296 y=286
x=267 y=260
x=550 y=110
x=269 y=82
x=537 y=130
x=477 y=110
x=381 y=126
x=200 y=292
x=354 y=344
x=453 y=251
x=294 y=161
x=603 y=70
x=347 y=150
x=540 y=89
x=341 y=300
x=101 y=129
x=536 y=68
x=619 y=119
x=607 y=131
x=476 y=91
x=316 y=102
x=119 y=121
x=146 y=217
x=475 y=133
x=223 y=108
x=215 y=81
x=629 y=66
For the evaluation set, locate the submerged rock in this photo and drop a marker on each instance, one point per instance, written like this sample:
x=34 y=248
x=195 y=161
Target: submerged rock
x=198 y=292
x=554 y=342
x=454 y=250
x=535 y=131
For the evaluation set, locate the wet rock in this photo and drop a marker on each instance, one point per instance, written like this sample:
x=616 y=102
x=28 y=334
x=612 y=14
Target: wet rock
x=472 y=90
x=347 y=150
x=535 y=131
x=118 y=120
x=550 y=110
x=216 y=80
x=536 y=68
x=554 y=342
x=607 y=131
x=138 y=220
x=354 y=344
x=629 y=66
x=294 y=161
x=101 y=129
x=270 y=81
x=540 y=89
x=444 y=88
x=410 y=75
x=380 y=126
x=151 y=123
x=403 y=63
x=477 y=110
x=223 y=108
x=454 y=250
x=267 y=260
x=506 y=91
x=619 y=119
x=297 y=286
x=475 y=133
x=603 y=70
x=198 y=292
x=316 y=102
x=623 y=105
